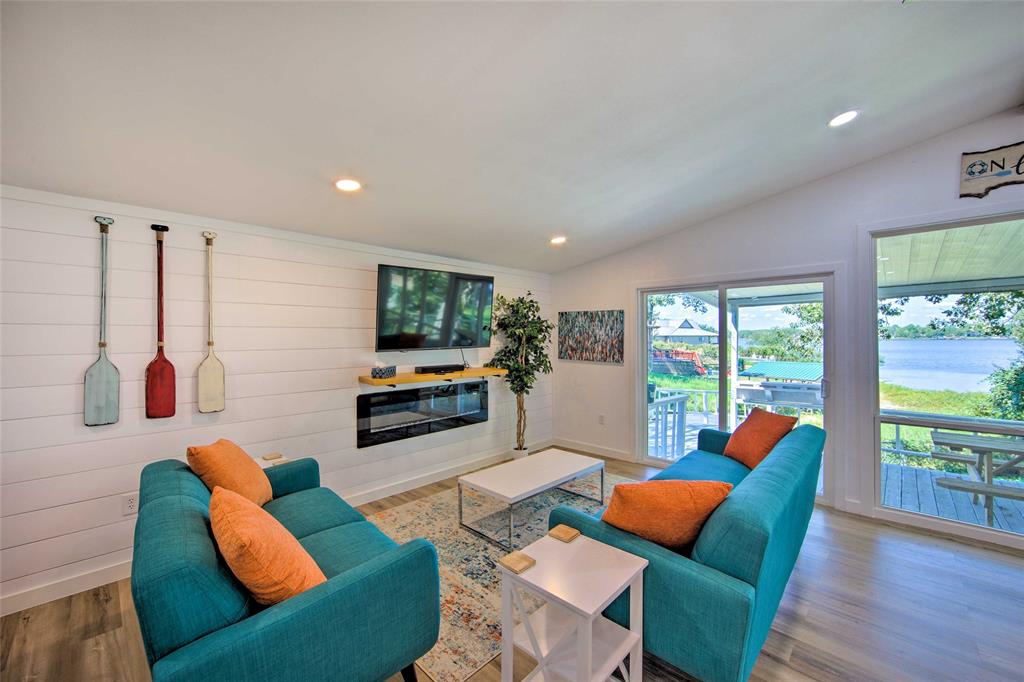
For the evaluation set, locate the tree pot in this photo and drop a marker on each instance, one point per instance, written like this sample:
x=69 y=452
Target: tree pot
x=519 y=454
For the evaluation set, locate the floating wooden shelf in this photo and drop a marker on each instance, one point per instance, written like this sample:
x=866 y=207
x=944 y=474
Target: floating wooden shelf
x=413 y=378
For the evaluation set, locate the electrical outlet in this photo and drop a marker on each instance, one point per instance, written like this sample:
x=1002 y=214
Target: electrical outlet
x=600 y=419
x=130 y=504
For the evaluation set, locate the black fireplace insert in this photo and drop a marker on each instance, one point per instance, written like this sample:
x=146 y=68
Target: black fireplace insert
x=395 y=415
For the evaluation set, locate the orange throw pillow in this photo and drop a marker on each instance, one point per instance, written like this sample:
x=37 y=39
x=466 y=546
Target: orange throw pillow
x=670 y=513
x=226 y=465
x=262 y=554
x=752 y=440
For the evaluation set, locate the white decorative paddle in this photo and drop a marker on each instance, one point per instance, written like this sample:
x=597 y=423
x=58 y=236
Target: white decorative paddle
x=211 y=371
x=102 y=380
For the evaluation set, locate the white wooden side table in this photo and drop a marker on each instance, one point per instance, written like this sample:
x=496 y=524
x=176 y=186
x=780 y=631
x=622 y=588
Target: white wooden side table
x=568 y=636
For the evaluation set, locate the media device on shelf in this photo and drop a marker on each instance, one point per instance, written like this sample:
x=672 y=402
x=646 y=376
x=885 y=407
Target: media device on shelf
x=439 y=369
x=421 y=309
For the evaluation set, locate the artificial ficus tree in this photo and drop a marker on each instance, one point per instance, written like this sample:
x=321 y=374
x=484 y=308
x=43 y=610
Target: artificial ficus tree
x=525 y=337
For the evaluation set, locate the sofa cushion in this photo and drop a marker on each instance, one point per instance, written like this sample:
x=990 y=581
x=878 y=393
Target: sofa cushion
x=311 y=511
x=669 y=513
x=226 y=465
x=704 y=466
x=757 y=435
x=262 y=554
x=338 y=549
x=182 y=588
x=170 y=477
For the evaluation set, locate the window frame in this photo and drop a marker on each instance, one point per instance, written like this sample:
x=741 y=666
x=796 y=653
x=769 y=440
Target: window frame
x=869 y=234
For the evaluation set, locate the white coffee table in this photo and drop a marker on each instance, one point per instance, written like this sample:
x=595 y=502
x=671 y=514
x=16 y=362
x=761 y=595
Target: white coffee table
x=520 y=479
x=577 y=581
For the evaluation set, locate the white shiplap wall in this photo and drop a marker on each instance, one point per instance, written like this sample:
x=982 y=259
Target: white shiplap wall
x=294 y=328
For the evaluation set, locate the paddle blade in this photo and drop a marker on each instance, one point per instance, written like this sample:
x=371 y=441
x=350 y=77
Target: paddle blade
x=160 y=387
x=102 y=393
x=210 y=384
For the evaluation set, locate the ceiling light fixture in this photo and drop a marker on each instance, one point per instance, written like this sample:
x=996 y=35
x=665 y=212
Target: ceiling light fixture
x=348 y=185
x=843 y=118
x=556 y=241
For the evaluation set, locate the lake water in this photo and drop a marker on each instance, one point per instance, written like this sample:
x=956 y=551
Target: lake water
x=953 y=364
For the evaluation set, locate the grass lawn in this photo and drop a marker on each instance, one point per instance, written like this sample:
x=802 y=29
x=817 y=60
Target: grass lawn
x=674 y=381
x=894 y=397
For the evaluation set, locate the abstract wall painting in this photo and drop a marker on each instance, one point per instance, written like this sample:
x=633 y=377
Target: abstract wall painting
x=591 y=335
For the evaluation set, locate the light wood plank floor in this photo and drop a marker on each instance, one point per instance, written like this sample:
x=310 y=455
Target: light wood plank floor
x=866 y=602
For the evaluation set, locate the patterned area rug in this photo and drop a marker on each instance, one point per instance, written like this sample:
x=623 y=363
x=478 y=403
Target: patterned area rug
x=470 y=581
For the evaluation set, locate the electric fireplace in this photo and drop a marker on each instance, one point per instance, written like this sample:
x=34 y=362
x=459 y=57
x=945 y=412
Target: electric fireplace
x=395 y=415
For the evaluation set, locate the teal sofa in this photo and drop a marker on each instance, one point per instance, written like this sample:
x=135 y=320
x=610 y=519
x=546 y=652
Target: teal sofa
x=377 y=613
x=708 y=611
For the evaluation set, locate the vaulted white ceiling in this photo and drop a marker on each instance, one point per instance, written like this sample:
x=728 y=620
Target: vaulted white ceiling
x=480 y=130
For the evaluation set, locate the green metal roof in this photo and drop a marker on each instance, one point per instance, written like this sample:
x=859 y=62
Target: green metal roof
x=792 y=371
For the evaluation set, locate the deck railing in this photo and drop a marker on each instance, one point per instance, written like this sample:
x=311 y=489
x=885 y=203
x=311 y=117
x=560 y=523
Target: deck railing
x=666 y=418
x=673 y=408
x=705 y=403
x=701 y=402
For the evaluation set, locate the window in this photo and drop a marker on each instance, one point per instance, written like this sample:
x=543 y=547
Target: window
x=951 y=373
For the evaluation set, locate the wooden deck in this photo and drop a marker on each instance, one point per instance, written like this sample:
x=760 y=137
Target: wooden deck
x=913 y=489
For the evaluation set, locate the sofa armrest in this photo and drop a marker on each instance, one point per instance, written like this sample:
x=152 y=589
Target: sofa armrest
x=291 y=477
x=695 y=617
x=712 y=440
x=364 y=624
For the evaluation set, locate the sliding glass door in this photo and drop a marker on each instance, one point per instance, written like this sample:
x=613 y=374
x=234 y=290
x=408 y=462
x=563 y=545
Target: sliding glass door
x=713 y=354
x=780 y=358
x=951 y=373
x=683 y=373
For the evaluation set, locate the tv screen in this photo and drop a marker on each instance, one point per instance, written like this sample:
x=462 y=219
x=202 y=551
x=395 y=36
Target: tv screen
x=420 y=309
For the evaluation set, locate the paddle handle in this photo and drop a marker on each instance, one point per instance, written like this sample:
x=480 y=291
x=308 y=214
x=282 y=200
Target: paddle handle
x=209 y=236
x=104 y=224
x=160 y=230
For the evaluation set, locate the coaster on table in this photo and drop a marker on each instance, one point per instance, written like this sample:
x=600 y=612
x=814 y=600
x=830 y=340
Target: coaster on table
x=517 y=562
x=564 y=533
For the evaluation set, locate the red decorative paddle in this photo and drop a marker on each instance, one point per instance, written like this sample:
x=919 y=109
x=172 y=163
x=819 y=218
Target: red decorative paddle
x=160 y=372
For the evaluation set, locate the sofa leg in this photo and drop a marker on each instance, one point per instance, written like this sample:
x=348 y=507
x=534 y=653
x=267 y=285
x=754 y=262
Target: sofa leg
x=409 y=673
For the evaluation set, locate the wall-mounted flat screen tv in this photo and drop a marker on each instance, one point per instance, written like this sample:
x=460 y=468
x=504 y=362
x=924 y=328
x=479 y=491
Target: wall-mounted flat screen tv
x=431 y=309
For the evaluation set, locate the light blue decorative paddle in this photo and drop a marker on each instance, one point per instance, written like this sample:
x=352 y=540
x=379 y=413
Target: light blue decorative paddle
x=102 y=380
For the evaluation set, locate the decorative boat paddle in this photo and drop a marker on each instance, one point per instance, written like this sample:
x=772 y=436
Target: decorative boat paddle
x=211 y=371
x=102 y=380
x=160 y=372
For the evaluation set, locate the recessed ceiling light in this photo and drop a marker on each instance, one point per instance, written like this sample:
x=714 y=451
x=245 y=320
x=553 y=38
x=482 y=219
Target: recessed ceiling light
x=558 y=240
x=843 y=118
x=348 y=185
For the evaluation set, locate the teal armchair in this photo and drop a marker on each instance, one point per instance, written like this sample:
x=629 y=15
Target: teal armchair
x=708 y=611
x=377 y=613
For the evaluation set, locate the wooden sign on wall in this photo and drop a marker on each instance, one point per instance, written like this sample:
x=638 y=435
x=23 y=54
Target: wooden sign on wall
x=981 y=172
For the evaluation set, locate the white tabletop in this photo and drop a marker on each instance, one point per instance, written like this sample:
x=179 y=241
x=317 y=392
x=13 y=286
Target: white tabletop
x=584 y=575
x=984 y=444
x=521 y=478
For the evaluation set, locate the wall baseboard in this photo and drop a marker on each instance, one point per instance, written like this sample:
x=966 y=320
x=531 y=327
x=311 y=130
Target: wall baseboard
x=405 y=485
x=34 y=596
x=595 y=449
